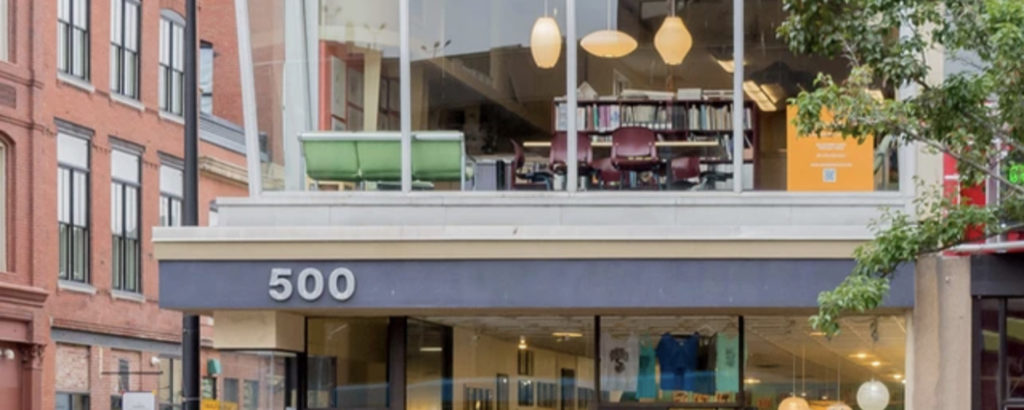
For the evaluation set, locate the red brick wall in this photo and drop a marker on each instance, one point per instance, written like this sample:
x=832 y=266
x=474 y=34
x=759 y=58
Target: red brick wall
x=27 y=129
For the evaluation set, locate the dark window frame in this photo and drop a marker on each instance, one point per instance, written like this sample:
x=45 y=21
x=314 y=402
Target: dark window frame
x=69 y=30
x=120 y=242
x=121 y=51
x=71 y=396
x=66 y=265
x=168 y=71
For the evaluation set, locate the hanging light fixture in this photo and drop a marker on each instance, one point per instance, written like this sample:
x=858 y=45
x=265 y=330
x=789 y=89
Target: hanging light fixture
x=873 y=395
x=522 y=343
x=673 y=41
x=794 y=402
x=546 y=41
x=609 y=43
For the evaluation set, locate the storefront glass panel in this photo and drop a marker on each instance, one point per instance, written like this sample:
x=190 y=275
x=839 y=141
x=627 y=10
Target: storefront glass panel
x=253 y=381
x=501 y=363
x=654 y=93
x=780 y=159
x=347 y=363
x=787 y=358
x=988 y=381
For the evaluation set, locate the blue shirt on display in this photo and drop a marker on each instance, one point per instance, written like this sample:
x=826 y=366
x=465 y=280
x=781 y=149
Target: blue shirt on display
x=675 y=359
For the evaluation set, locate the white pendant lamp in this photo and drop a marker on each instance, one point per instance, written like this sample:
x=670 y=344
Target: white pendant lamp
x=673 y=41
x=609 y=43
x=794 y=402
x=873 y=395
x=546 y=41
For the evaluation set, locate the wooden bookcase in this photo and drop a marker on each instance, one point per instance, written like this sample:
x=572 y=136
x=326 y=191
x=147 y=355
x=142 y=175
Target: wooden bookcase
x=671 y=120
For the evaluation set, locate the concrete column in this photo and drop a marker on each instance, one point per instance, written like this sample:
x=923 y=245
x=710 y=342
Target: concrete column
x=939 y=363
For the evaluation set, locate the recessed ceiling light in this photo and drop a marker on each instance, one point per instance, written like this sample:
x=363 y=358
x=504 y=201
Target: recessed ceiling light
x=751 y=380
x=430 y=349
x=876 y=363
x=897 y=376
x=567 y=334
x=860 y=355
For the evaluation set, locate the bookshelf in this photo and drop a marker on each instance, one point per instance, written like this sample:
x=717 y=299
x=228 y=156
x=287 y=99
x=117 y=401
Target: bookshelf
x=671 y=119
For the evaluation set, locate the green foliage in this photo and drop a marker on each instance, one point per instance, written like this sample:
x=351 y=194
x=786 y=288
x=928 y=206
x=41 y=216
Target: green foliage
x=976 y=116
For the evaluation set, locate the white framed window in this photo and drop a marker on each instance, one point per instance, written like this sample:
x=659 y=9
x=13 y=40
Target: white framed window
x=124 y=221
x=5 y=31
x=171 y=194
x=73 y=38
x=124 y=47
x=172 y=65
x=206 y=55
x=73 y=207
x=3 y=206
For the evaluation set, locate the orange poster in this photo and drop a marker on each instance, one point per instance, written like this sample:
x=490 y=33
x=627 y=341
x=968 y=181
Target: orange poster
x=827 y=163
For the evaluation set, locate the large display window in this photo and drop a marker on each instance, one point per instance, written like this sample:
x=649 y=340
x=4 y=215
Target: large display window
x=549 y=95
x=605 y=362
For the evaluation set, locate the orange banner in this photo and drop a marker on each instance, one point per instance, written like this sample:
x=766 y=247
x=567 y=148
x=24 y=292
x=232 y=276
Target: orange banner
x=829 y=162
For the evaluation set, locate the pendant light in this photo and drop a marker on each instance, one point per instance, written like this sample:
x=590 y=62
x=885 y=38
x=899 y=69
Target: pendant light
x=673 y=41
x=546 y=41
x=839 y=404
x=873 y=395
x=794 y=402
x=609 y=43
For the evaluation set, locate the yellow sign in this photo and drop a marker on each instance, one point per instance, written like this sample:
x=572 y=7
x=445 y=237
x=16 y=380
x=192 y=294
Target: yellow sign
x=208 y=404
x=828 y=162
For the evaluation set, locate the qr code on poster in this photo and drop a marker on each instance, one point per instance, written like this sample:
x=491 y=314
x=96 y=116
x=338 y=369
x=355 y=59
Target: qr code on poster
x=828 y=175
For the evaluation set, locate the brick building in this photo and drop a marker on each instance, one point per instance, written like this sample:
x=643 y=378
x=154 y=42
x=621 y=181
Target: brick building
x=91 y=141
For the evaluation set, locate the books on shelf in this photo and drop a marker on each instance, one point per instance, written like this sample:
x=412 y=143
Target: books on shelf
x=607 y=116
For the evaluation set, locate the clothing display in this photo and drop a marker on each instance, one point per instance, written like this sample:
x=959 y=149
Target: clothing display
x=620 y=361
x=647 y=386
x=676 y=358
x=727 y=355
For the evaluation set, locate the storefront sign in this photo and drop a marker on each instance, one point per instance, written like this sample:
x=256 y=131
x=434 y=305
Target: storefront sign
x=208 y=404
x=138 y=401
x=828 y=162
x=309 y=284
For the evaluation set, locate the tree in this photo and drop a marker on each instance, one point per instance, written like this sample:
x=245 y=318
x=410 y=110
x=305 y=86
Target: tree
x=976 y=116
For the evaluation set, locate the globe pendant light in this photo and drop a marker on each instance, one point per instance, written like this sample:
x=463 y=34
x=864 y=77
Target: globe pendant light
x=673 y=41
x=609 y=43
x=794 y=402
x=873 y=395
x=545 y=41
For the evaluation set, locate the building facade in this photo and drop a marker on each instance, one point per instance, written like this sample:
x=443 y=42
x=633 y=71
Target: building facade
x=92 y=142
x=535 y=205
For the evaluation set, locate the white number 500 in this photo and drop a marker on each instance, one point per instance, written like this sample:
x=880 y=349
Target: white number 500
x=310 y=284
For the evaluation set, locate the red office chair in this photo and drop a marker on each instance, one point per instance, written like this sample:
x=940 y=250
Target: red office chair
x=607 y=174
x=633 y=149
x=559 y=153
x=682 y=170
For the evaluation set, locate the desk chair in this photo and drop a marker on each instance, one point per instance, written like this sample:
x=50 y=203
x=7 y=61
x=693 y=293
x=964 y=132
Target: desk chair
x=634 y=150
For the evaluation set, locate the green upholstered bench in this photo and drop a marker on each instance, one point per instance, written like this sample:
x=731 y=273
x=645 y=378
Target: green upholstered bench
x=377 y=156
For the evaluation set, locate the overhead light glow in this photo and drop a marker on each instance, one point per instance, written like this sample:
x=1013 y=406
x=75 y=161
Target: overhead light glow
x=673 y=41
x=567 y=335
x=609 y=43
x=430 y=349
x=751 y=380
x=760 y=97
x=522 y=343
x=876 y=363
x=546 y=42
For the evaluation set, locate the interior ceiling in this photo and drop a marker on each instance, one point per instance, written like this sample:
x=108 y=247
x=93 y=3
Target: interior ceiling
x=773 y=341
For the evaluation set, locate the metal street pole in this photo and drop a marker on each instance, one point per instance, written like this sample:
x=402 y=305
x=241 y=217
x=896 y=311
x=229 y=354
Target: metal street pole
x=190 y=207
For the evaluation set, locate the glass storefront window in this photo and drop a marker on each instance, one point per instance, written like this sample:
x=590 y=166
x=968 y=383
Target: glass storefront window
x=347 y=363
x=670 y=359
x=501 y=363
x=255 y=380
x=488 y=108
x=780 y=159
x=787 y=358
